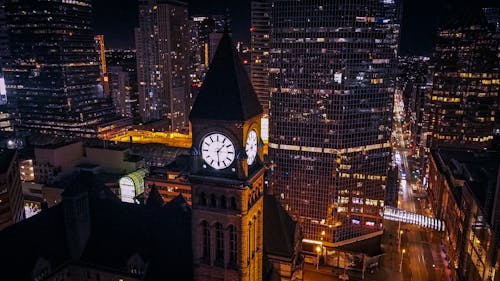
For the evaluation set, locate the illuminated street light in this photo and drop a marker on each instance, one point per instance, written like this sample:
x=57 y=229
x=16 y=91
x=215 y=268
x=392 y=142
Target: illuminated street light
x=318 y=251
x=399 y=240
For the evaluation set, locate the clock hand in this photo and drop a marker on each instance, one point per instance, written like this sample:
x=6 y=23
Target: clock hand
x=218 y=155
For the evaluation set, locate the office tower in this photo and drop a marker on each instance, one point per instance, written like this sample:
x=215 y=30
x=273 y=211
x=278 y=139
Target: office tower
x=3 y=34
x=492 y=15
x=125 y=58
x=101 y=50
x=4 y=48
x=119 y=87
x=54 y=70
x=11 y=193
x=162 y=62
x=201 y=28
x=464 y=101
x=260 y=29
x=331 y=76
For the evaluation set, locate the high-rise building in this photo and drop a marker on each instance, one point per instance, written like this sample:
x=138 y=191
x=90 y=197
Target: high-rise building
x=120 y=90
x=11 y=193
x=260 y=29
x=3 y=35
x=200 y=48
x=125 y=58
x=162 y=62
x=331 y=76
x=5 y=116
x=53 y=73
x=464 y=102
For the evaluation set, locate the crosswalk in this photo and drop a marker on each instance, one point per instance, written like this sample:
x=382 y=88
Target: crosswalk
x=395 y=214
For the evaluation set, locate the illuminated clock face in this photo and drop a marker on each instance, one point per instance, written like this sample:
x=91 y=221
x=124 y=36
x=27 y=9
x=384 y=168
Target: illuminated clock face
x=251 y=147
x=217 y=151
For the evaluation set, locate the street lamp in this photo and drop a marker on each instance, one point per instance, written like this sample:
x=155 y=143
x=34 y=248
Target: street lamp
x=401 y=264
x=318 y=250
x=399 y=240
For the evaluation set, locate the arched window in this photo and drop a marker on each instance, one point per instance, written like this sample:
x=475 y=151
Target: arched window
x=203 y=199
x=205 y=230
x=233 y=245
x=233 y=203
x=213 y=201
x=223 y=203
x=219 y=244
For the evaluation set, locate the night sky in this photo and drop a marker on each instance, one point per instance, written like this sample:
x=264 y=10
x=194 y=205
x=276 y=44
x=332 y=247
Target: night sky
x=116 y=19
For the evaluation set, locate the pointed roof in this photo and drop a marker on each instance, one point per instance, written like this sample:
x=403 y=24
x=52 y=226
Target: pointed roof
x=227 y=93
x=154 y=198
x=279 y=229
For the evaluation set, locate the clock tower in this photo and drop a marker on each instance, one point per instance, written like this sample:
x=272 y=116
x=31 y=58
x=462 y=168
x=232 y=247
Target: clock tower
x=227 y=172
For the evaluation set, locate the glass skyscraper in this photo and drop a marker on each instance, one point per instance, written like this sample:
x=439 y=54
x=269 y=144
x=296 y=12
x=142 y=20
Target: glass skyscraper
x=53 y=69
x=332 y=65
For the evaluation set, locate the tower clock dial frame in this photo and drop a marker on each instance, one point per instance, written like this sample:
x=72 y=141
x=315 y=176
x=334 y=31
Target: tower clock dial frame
x=251 y=146
x=217 y=150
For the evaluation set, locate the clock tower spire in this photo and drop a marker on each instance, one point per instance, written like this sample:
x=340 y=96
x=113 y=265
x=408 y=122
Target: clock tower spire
x=227 y=172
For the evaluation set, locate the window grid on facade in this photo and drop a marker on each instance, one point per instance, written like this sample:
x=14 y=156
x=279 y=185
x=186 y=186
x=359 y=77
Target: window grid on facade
x=331 y=70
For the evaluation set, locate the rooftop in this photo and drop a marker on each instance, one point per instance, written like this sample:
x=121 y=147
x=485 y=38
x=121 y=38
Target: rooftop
x=135 y=230
x=478 y=169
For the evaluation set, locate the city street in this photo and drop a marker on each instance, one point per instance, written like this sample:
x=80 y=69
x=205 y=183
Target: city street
x=419 y=246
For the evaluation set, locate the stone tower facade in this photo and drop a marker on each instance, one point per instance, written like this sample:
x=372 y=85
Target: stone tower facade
x=227 y=173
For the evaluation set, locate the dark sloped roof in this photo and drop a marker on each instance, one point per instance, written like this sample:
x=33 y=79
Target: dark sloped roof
x=226 y=93
x=279 y=229
x=154 y=198
x=42 y=235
